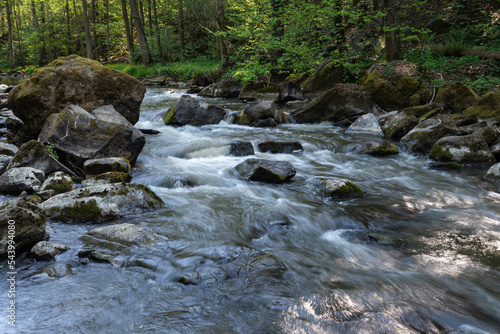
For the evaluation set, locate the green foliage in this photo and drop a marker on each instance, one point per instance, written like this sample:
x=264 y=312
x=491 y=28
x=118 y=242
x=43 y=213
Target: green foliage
x=484 y=83
x=52 y=151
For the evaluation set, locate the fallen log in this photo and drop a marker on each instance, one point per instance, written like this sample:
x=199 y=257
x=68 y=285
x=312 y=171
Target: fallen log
x=489 y=54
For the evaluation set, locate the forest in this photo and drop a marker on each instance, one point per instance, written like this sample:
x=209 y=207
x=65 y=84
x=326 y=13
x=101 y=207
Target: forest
x=153 y=37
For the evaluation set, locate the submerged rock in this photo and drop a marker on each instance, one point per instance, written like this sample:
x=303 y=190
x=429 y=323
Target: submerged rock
x=74 y=80
x=344 y=101
x=29 y=223
x=462 y=149
x=100 y=202
x=55 y=270
x=190 y=111
x=280 y=147
x=79 y=136
x=266 y=170
x=45 y=250
x=423 y=136
x=241 y=149
x=340 y=189
x=125 y=234
x=377 y=147
x=365 y=124
x=17 y=180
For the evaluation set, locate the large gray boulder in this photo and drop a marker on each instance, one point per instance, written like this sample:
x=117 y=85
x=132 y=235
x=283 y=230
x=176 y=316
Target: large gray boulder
x=74 y=80
x=17 y=180
x=224 y=88
x=59 y=182
x=28 y=221
x=78 y=135
x=125 y=234
x=280 y=147
x=94 y=167
x=266 y=170
x=344 y=101
x=8 y=149
x=462 y=149
x=289 y=91
x=260 y=113
x=190 y=111
x=45 y=250
x=397 y=125
x=100 y=202
x=324 y=79
x=366 y=124
x=422 y=137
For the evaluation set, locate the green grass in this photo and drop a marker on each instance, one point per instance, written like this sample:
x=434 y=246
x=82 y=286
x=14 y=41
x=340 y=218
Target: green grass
x=177 y=71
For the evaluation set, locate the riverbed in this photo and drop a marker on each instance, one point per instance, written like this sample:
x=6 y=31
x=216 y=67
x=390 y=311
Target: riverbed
x=420 y=253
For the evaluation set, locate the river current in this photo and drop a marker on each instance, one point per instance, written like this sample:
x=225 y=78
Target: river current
x=420 y=253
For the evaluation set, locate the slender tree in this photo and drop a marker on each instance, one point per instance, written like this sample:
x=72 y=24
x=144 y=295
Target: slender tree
x=12 y=61
x=181 y=27
x=143 y=43
x=158 y=40
x=128 y=35
x=86 y=23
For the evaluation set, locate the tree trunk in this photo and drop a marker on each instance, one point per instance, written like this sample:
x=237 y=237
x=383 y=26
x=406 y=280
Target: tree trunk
x=222 y=28
x=68 y=26
x=107 y=32
x=94 y=32
x=489 y=54
x=150 y=21
x=143 y=43
x=17 y=19
x=79 y=46
x=167 y=41
x=88 y=38
x=41 y=49
x=392 y=45
x=130 y=41
x=12 y=60
x=278 y=28
x=158 y=39
x=181 y=27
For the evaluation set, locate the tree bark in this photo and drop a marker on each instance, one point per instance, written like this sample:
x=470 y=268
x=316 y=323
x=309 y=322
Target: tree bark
x=12 y=60
x=68 y=26
x=158 y=39
x=17 y=19
x=107 y=31
x=221 y=21
x=392 y=46
x=181 y=27
x=143 y=43
x=130 y=41
x=88 y=38
x=94 y=32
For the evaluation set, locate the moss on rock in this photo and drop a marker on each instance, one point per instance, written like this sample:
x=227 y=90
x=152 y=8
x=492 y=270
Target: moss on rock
x=488 y=105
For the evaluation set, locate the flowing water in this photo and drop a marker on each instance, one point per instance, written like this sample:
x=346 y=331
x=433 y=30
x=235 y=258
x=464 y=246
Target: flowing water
x=434 y=269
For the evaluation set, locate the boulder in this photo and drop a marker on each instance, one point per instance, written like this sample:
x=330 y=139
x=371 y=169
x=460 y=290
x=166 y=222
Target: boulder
x=17 y=180
x=392 y=84
x=29 y=223
x=426 y=109
x=241 y=149
x=289 y=91
x=94 y=167
x=8 y=149
x=45 y=250
x=424 y=135
x=107 y=178
x=36 y=155
x=487 y=106
x=377 y=147
x=78 y=135
x=456 y=97
x=4 y=162
x=272 y=224
x=340 y=189
x=462 y=149
x=489 y=133
x=280 y=147
x=266 y=170
x=74 y=80
x=259 y=91
x=398 y=125
x=493 y=172
x=465 y=120
x=100 y=202
x=344 y=101
x=59 y=182
x=224 y=88
x=54 y=270
x=365 y=124
x=189 y=110
x=125 y=234
x=324 y=79
x=262 y=111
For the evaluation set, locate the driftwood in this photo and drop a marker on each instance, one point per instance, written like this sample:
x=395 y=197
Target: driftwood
x=490 y=54
x=203 y=79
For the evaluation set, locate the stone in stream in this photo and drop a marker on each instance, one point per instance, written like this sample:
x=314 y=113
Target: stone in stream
x=190 y=111
x=78 y=135
x=493 y=172
x=365 y=124
x=266 y=170
x=241 y=148
x=260 y=114
x=94 y=167
x=55 y=270
x=462 y=149
x=4 y=162
x=8 y=149
x=397 y=125
x=59 y=182
x=324 y=79
x=74 y=80
x=29 y=223
x=45 y=250
x=280 y=147
x=289 y=91
x=17 y=180
x=340 y=189
x=100 y=202
x=377 y=147
x=223 y=88
x=107 y=178
x=125 y=234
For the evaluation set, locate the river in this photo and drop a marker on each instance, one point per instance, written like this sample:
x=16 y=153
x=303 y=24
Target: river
x=434 y=269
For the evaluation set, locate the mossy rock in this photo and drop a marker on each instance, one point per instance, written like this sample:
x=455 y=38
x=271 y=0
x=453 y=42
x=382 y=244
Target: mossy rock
x=446 y=165
x=249 y=90
x=325 y=78
x=59 y=182
x=341 y=189
x=462 y=149
x=488 y=105
x=419 y=111
x=456 y=97
x=422 y=137
x=74 y=80
x=104 y=165
x=391 y=85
